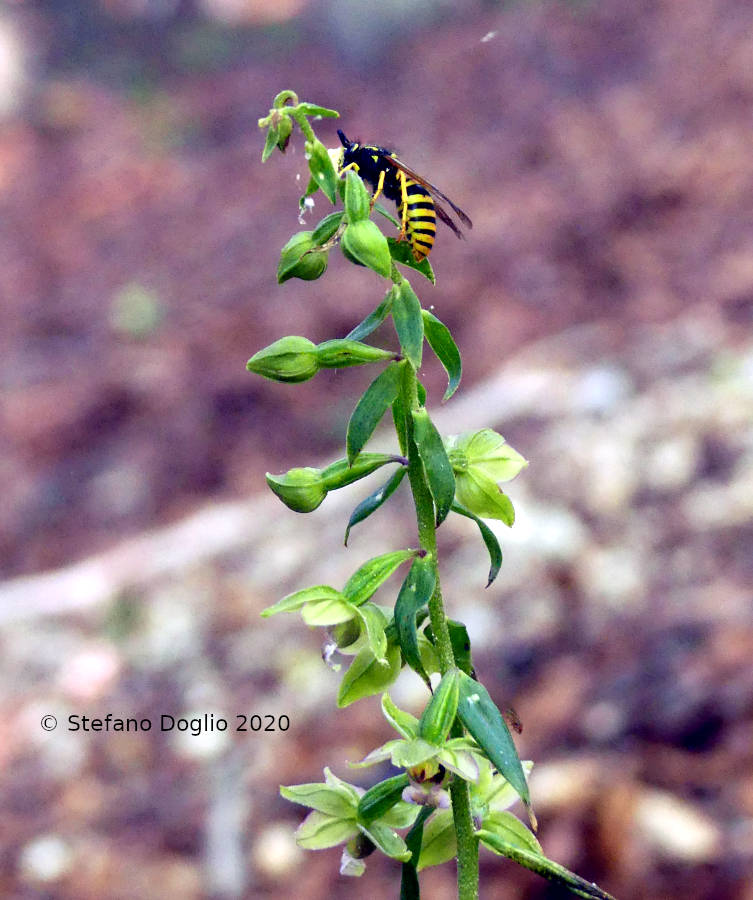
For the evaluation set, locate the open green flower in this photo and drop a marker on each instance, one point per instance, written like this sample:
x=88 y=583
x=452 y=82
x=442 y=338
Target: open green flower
x=334 y=819
x=481 y=460
x=423 y=760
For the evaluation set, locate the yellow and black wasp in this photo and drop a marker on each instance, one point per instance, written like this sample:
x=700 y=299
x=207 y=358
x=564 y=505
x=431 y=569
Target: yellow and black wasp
x=414 y=196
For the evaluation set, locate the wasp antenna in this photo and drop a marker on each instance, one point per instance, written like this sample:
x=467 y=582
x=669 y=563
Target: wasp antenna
x=345 y=142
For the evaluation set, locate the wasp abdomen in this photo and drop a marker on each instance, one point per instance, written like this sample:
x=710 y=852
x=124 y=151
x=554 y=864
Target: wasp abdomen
x=420 y=219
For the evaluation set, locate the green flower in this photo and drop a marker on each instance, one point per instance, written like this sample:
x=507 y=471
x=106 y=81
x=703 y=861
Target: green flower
x=480 y=460
x=334 y=820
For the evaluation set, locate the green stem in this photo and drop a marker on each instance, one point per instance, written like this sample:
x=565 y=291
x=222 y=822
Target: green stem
x=427 y=535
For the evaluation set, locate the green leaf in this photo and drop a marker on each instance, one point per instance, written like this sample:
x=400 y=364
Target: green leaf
x=439 y=844
x=373 y=320
x=374 y=622
x=478 y=713
x=372 y=503
x=539 y=863
x=363 y=243
x=379 y=395
x=402 y=253
x=270 y=143
x=319 y=831
x=296 y=600
x=439 y=714
x=441 y=342
x=409 y=325
x=461 y=644
x=321 y=797
x=381 y=797
x=510 y=829
x=409 y=888
x=403 y=722
x=437 y=466
x=415 y=593
x=311 y=109
x=364 y=582
x=490 y=539
x=357 y=198
x=387 y=215
x=367 y=676
x=390 y=843
x=321 y=168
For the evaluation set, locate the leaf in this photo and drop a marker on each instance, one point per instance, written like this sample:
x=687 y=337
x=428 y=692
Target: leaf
x=403 y=722
x=415 y=593
x=478 y=713
x=437 y=466
x=440 y=711
x=270 y=143
x=367 y=676
x=490 y=539
x=409 y=325
x=442 y=343
x=539 y=863
x=311 y=109
x=402 y=253
x=326 y=228
x=371 y=407
x=510 y=829
x=409 y=887
x=439 y=844
x=357 y=199
x=373 y=320
x=321 y=168
x=374 y=622
x=364 y=582
x=372 y=503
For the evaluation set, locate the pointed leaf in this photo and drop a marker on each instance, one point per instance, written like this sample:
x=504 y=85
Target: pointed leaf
x=442 y=343
x=510 y=829
x=403 y=722
x=311 y=109
x=489 y=538
x=373 y=320
x=461 y=644
x=367 y=676
x=326 y=228
x=402 y=253
x=437 y=466
x=538 y=863
x=379 y=395
x=374 y=622
x=439 y=844
x=364 y=582
x=372 y=503
x=477 y=712
x=415 y=593
x=409 y=324
x=409 y=888
x=321 y=168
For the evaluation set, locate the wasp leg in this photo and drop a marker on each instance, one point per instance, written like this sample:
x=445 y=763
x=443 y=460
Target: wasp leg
x=378 y=191
x=403 y=208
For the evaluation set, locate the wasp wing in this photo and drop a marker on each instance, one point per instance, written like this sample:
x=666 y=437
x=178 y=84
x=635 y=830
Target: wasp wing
x=394 y=161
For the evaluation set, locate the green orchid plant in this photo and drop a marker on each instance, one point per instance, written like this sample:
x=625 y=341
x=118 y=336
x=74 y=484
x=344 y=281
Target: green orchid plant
x=458 y=768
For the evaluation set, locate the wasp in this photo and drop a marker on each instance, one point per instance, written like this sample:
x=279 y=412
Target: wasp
x=417 y=199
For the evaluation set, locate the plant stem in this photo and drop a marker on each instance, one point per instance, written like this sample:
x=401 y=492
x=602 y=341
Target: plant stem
x=427 y=535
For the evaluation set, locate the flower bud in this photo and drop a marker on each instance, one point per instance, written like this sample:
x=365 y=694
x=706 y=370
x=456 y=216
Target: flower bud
x=338 y=354
x=301 y=258
x=339 y=474
x=363 y=243
x=291 y=359
x=301 y=490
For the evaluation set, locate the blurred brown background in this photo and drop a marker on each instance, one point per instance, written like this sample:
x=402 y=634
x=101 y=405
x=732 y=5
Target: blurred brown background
x=603 y=304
